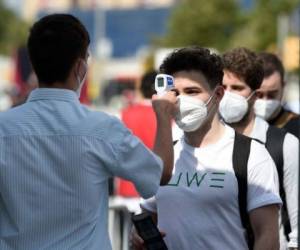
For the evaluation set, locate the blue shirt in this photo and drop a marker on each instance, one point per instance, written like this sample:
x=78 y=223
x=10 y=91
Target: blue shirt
x=55 y=160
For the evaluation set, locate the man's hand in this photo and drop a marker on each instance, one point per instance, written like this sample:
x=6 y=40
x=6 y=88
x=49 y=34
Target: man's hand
x=165 y=105
x=136 y=241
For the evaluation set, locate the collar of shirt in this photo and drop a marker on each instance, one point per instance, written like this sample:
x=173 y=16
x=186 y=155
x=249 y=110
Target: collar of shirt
x=66 y=95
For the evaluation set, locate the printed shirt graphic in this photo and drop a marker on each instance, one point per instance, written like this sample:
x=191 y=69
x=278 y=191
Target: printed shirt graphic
x=199 y=209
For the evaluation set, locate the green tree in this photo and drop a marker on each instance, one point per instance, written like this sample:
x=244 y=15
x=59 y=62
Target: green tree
x=13 y=30
x=203 y=23
x=259 y=30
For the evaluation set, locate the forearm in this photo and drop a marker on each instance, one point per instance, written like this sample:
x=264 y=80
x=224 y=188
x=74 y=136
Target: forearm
x=264 y=222
x=163 y=147
x=266 y=241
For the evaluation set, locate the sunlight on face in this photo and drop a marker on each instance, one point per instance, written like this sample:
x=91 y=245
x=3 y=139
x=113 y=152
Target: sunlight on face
x=235 y=85
x=192 y=83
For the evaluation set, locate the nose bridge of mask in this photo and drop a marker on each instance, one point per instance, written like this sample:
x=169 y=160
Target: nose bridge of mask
x=190 y=100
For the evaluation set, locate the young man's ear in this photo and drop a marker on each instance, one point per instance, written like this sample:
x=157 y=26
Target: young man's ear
x=220 y=92
x=258 y=94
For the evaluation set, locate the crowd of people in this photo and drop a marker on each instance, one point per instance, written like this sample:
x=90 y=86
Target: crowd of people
x=228 y=180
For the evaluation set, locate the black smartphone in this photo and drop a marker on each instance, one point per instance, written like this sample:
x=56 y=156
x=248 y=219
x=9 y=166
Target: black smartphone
x=149 y=232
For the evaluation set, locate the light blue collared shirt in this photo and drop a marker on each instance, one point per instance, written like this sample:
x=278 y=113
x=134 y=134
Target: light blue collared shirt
x=55 y=160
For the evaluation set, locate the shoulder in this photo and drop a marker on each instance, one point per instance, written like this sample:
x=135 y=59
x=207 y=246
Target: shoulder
x=107 y=124
x=259 y=155
x=290 y=149
x=9 y=118
x=290 y=139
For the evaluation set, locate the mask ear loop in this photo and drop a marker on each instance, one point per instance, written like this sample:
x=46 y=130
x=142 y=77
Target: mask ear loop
x=249 y=97
x=212 y=95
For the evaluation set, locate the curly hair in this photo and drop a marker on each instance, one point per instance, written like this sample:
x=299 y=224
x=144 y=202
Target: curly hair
x=197 y=59
x=246 y=65
x=271 y=64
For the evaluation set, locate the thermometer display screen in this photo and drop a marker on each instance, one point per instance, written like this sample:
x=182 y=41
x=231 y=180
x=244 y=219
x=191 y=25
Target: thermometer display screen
x=160 y=82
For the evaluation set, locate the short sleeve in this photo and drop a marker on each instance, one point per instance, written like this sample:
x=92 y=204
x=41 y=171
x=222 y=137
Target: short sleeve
x=262 y=178
x=149 y=204
x=135 y=162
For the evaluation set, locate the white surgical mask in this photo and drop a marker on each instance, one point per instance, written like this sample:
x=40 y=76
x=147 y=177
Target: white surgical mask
x=192 y=113
x=233 y=107
x=80 y=82
x=266 y=108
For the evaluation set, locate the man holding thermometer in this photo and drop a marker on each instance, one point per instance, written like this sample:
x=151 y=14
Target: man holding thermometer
x=56 y=155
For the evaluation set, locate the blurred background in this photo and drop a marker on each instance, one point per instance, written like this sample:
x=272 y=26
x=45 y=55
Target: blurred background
x=130 y=37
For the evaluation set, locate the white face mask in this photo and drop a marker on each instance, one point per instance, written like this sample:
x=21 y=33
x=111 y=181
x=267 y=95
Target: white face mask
x=233 y=107
x=192 y=113
x=266 y=108
x=80 y=82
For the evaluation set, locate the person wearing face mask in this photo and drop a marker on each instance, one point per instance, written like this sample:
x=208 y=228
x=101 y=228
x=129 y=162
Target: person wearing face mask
x=199 y=208
x=56 y=155
x=270 y=94
x=243 y=74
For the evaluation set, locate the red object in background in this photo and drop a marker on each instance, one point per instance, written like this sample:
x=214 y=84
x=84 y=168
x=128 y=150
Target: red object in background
x=84 y=99
x=140 y=119
x=22 y=70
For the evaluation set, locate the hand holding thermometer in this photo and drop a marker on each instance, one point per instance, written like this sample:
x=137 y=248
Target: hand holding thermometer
x=163 y=83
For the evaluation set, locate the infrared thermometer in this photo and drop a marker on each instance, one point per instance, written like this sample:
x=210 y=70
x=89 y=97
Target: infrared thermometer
x=163 y=83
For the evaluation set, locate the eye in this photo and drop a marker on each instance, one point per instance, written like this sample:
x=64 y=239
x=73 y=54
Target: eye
x=192 y=91
x=237 y=88
x=176 y=91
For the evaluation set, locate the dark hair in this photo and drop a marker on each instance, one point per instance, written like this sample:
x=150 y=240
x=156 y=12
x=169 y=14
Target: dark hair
x=198 y=59
x=271 y=64
x=147 y=84
x=55 y=43
x=245 y=64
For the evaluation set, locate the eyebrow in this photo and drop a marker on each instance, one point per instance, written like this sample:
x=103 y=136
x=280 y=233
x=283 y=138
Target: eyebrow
x=193 y=87
x=269 y=91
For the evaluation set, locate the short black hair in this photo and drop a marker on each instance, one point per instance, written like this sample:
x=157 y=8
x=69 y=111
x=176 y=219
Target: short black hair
x=246 y=65
x=55 y=43
x=197 y=59
x=147 y=84
x=271 y=64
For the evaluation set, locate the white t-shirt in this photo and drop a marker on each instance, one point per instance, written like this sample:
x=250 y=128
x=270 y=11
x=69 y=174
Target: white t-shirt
x=290 y=177
x=199 y=207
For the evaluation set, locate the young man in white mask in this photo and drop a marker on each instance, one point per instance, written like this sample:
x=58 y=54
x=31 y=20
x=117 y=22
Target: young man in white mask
x=199 y=207
x=243 y=74
x=270 y=94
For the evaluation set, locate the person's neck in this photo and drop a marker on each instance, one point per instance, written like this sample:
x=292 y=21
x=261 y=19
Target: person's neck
x=206 y=135
x=58 y=85
x=245 y=126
